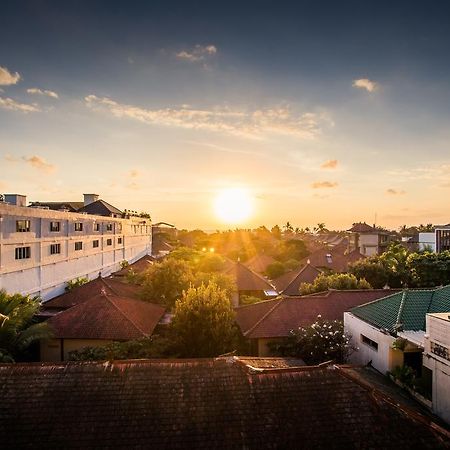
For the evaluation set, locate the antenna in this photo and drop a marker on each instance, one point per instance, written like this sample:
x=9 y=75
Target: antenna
x=375 y=222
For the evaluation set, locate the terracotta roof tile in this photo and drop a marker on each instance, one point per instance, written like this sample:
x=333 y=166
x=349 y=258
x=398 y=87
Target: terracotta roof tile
x=201 y=404
x=259 y=263
x=247 y=280
x=289 y=283
x=141 y=265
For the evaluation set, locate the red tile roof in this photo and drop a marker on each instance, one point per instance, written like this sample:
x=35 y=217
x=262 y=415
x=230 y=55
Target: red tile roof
x=107 y=317
x=332 y=258
x=289 y=283
x=202 y=404
x=362 y=227
x=247 y=280
x=290 y=313
x=141 y=265
x=87 y=291
x=259 y=263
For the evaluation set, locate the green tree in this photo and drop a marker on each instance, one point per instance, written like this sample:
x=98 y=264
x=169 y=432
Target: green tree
x=339 y=281
x=18 y=327
x=394 y=260
x=225 y=282
x=429 y=269
x=372 y=270
x=276 y=232
x=203 y=324
x=291 y=249
x=275 y=270
x=165 y=282
x=211 y=262
x=324 y=340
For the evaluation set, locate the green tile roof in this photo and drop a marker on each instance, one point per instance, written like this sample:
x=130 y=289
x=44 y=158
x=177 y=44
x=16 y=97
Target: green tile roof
x=405 y=310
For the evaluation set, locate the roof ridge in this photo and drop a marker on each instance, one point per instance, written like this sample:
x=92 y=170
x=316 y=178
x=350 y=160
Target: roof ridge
x=299 y=273
x=264 y=317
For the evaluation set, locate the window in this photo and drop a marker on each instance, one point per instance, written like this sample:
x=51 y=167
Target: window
x=109 y=227
x=96 y=227
x=55 y=226
x=95 y=243
x=78 y=246
x=369 y=342
x=329 y=258
x=78 y=226
x=440 y=350
x=23 y=252
x=22 y=226
x=119 y=240
x=55 y=249
x=119 y=227
x=108 y=241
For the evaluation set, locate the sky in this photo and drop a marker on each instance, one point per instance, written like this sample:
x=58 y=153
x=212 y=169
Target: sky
x=323 y=111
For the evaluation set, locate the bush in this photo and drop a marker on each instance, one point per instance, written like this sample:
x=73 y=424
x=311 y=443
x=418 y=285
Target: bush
x=339 y=281
x=275 y=270
x=77 y=282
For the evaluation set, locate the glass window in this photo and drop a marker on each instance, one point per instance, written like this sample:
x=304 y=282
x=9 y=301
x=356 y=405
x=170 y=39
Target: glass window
x=78 y=226
x=109 y=242
x=23 y=252
x=55 y=226
x=95 y=243
x=55 y=249
x=78 y=246
x=22 y=226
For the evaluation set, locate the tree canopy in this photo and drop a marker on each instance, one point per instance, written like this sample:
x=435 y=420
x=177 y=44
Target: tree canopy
x=339 y=281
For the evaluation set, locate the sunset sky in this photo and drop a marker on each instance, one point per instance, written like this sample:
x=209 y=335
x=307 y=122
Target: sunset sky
x=323 y=111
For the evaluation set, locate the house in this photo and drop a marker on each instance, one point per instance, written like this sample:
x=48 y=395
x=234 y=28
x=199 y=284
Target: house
x=259 y=263
x=436 y=360
x=369 y=240
x=271 y=321
x=139 y=266
x=43 y=247
x=249 y=283
x=99 y=321
x=289 y=283
x=204 y=404
x=162 y=234
x=378 y=326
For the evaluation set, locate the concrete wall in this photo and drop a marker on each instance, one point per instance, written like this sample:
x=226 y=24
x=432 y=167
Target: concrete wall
x=438 y=332
x=45 y=274
x=51 y=349
x=368 y=244
x=384 y=358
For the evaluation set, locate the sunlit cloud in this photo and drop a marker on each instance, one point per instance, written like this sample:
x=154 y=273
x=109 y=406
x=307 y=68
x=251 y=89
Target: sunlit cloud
x=134 y=173
x=12 y=105
x=392 y=191
x=330 y=164
x=198 y=53
x=34 y=161
x=36 y=91
x=324 y=185
x=250 y=124
x=7 y=78
x=365 y=83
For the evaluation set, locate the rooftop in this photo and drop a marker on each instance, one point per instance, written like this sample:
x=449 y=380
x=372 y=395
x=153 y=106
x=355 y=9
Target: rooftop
x=289 y=283
x=247 y=280
x=219 y=403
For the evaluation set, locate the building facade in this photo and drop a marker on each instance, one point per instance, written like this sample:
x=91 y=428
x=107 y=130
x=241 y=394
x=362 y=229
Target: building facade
x=42 y=249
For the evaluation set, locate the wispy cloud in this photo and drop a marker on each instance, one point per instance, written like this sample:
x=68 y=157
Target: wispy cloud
x=34 y=161
x=392 y=191
x=324 y=185
x=365 y=83
x=36 y=91
x=12 y=105
x=330 y=164
x=198 y=53
x=7 y=78
x=251 y=124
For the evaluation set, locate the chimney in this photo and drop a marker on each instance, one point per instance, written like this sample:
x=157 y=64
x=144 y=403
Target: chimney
x=16 y=199
x=90 y=198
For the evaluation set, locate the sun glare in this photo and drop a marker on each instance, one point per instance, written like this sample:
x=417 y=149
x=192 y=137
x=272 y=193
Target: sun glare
x=233 y=205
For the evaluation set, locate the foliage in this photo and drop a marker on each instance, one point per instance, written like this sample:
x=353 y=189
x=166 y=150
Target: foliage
x=339 y=281
x=394 y=259
x=275 y=270
x=276 y=232
x=77 y=282
x=404 y=374
x=203 y=324
x=292 y=264
x=429 y=269
x=164 y=282
x=324 y=340
x=291 y=249
x=372 y=270
x=249 y=300
x=223 y=281
x=400 y=344
x=18 y=327
x=150 y=347
x=211 y=262
x=124 y=264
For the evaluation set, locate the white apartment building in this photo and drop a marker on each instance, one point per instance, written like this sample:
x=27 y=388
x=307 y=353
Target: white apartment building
x=42 y=249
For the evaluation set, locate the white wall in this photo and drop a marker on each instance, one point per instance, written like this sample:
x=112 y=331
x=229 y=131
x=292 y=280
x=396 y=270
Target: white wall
x=427 y=240
x=381 y=358
x=46 y=275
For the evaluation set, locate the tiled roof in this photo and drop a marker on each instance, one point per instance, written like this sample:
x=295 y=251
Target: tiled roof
x=290 y=313
x=202 y=404
x=247 y=280
x=101 y=208
x=405 y=310
x=107 y=317
x=57 y=206
x=334 y=259
x=141 y=265
x=247 y=316
x=87 y=291
x=362 y=227
x=289 y=283
x=259 y=263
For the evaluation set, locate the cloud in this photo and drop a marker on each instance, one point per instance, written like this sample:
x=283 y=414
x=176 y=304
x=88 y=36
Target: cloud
x=7 y=78
x=34 y=161
x=37 y=91
x=198 y=53
x=134 y=173
x=251 y=124
x=395 y=192
x=12 y=105
x=365 y=83
x=324 y=185
x=330 y=164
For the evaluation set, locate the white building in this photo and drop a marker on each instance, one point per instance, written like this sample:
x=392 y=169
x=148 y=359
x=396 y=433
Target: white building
x=436 y=358
x=41 y=249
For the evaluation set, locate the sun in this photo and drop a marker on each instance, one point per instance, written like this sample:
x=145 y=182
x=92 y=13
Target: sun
x=233 y=205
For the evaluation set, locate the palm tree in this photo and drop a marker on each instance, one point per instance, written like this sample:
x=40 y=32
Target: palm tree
x=18 y=328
